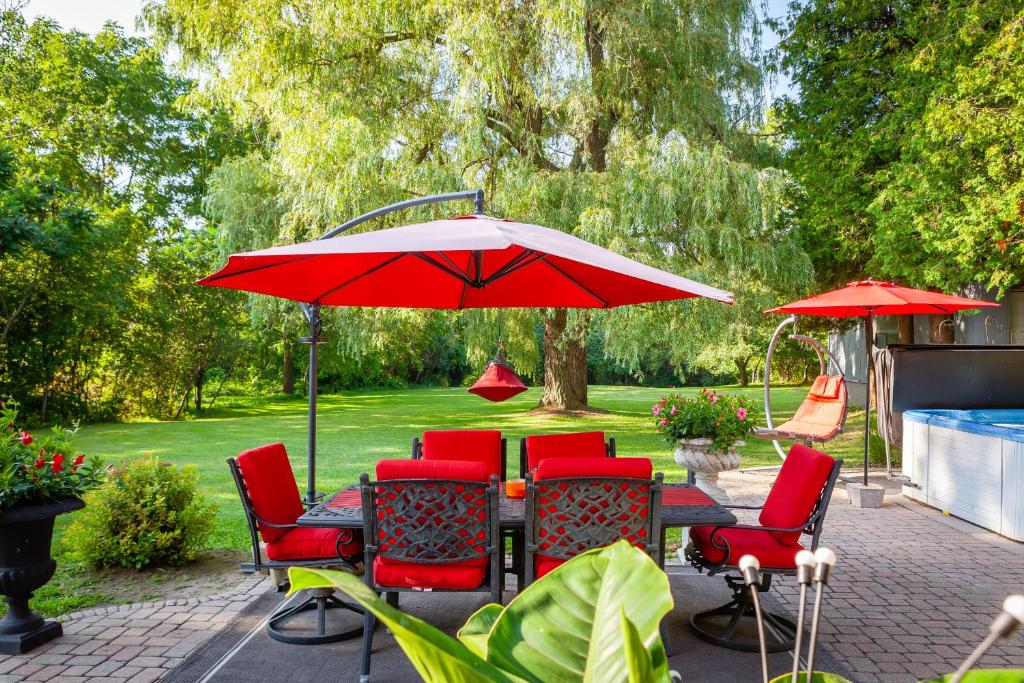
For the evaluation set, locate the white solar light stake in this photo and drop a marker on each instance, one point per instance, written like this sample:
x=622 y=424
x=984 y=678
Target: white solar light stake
x=824 y=559
x=804 y=574
x=749 y=566
x=1006 y=623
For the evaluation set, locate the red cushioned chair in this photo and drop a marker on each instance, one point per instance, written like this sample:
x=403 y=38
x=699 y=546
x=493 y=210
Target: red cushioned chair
x=475 y=445
x=577 y=504
x=796 y=505
x=533 y=449
x=270 y=498
x=430 y=525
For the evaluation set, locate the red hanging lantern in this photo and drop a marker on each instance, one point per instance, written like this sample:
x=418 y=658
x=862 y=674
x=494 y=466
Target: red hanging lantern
x=499 y=381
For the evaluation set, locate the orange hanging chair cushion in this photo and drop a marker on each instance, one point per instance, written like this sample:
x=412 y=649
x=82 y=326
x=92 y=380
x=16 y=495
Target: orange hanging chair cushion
x=498 y=383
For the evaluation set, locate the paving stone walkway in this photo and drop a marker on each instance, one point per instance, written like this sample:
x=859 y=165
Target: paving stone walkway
x=914 y=591
x=137 y=643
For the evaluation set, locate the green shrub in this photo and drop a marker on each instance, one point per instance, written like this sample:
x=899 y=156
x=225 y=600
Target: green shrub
x=147 y=513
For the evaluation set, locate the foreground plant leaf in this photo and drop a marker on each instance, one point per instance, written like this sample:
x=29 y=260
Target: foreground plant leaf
x=985 y=676
x=475 y=631
x=567 y=625
x=437 y=657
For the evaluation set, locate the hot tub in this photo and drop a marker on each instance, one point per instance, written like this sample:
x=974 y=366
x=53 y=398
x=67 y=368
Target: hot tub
x=969 y=463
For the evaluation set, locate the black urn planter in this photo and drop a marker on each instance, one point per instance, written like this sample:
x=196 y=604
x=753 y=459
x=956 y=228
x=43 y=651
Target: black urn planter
x=25 y=566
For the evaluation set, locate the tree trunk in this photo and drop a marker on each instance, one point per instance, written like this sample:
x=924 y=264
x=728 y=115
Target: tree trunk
x=743 y=371
x=288 y=371
x=940 y=329
x=199 y=390
x=565 y=365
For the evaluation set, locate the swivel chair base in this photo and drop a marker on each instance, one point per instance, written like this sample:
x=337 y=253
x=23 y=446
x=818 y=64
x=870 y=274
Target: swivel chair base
x=734 y=624
x=321 y=600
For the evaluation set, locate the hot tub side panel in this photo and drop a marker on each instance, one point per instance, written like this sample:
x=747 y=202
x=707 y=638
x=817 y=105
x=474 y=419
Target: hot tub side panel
x=965 y=473
x=1013 y=490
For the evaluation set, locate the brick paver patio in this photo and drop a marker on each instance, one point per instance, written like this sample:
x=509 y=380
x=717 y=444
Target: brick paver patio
x=913 y=593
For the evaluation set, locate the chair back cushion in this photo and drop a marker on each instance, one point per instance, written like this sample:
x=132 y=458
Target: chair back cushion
x=796 y=491
x=575 y=445
x=479 y=445
x=432 y=469
x=585 y=503
x=627 y=468
x=426 y=528
x=270 y=482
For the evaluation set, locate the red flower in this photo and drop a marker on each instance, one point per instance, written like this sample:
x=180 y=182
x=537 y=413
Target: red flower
x=25 y=438
x=58 y=462
x=79 y=459
x=39 y=463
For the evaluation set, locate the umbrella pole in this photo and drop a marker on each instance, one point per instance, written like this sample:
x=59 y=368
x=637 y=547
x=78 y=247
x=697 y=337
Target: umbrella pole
x=868 y=327
x=312 y=313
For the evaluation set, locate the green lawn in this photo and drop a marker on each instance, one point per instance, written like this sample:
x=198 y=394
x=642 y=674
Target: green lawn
x=356 y=429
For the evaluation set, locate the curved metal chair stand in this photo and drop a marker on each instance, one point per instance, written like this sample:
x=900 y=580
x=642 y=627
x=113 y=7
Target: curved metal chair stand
x=825 y=360
x=319 y=599
x=720 y=625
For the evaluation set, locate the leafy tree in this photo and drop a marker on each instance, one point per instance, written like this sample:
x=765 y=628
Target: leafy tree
x=905 y=139
x=626 y=123
x=103 y=165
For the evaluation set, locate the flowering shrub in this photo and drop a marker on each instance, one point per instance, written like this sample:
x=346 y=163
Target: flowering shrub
x=40 y=467
x=723 y=418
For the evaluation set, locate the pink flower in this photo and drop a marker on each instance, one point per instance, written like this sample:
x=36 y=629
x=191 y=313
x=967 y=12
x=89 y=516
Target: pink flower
x=713 y=398
x=674 y=410
x=656 y=409
x=742 y=413
x=664 y=420
x=25 y=438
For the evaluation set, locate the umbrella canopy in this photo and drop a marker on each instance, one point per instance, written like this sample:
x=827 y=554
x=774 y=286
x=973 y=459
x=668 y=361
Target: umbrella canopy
x=868 y=298
x=465 y=262
x=858 y=299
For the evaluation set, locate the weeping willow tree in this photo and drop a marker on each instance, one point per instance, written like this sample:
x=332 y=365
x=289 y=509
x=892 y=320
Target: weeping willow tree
x=630 y=124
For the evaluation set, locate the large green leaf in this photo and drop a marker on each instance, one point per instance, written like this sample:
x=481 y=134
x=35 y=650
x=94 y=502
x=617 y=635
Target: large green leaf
x=475 y=631
x=437 y=657
x=567 y=625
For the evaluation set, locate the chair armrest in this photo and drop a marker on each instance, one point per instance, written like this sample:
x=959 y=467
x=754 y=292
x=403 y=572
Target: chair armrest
x=264 y=522
x=743 y=507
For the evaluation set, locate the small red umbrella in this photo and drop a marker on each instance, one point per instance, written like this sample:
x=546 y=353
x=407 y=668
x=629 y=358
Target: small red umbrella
x=868 y=298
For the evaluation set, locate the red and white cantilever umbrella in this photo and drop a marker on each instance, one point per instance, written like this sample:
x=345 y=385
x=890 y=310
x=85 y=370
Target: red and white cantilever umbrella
x=466 y=262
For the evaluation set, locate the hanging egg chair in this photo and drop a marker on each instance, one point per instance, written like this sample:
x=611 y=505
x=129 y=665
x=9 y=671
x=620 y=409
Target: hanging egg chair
x=499 y=381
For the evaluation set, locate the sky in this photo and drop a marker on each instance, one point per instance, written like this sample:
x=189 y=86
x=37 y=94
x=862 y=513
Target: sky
x=90 y=15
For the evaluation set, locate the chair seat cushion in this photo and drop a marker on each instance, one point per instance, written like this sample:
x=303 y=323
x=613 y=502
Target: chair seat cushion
x=542 y=564
x=308 y=543
x=465 y=575
x=770 y=552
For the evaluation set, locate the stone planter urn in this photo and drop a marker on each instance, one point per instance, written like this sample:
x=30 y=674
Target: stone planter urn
x=25 y=566
x=696 y=455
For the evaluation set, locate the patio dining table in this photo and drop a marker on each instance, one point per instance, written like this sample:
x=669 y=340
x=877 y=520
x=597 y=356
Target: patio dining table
x=682 y=505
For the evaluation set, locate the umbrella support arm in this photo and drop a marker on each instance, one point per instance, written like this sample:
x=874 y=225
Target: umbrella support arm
x=476 y=195
x=312 y=314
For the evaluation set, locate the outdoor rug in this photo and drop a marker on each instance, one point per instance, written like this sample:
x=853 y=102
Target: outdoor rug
x=243 y=652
